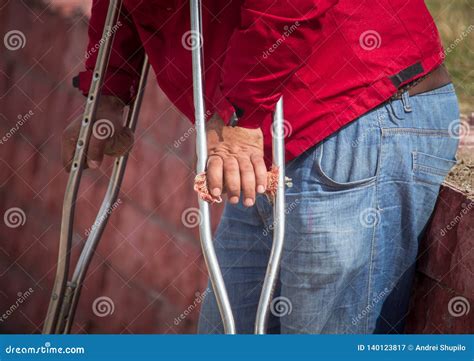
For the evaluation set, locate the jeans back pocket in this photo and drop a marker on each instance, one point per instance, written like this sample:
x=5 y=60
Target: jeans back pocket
x=430 y=169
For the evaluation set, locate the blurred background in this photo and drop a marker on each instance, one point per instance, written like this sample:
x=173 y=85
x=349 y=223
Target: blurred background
x=148 y=274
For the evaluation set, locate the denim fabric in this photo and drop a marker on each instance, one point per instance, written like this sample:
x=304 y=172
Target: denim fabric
x=354 y=216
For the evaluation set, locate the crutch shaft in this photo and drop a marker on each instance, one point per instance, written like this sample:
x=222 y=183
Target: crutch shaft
x=271 y=275
x=74 y=287
x=70 y=196
x=207 y=245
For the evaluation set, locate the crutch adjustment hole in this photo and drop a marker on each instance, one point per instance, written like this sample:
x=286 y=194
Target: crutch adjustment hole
x=80 y=143
x=96 y=75
x=74 y=165
x=86 y=120
x=91 y=98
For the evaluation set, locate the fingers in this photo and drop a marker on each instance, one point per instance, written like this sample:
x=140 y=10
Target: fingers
x=120 y=144
x=109 y=138
x=102 y=131
x=232 y=179
x=247 y=177
x=108 y=135
x=215 y=167
x=260 y=170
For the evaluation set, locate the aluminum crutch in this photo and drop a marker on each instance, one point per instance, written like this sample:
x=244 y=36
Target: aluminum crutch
x=271 y=276
x=73 y=287
x=215 y=274
x=65 y=295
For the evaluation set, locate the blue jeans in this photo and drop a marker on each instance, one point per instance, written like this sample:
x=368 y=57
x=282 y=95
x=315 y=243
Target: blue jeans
x=354 y=216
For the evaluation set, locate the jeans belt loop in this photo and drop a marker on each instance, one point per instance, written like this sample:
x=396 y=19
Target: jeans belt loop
x=406 y=102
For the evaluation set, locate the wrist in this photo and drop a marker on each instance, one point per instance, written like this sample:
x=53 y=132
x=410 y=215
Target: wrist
x=215 y=123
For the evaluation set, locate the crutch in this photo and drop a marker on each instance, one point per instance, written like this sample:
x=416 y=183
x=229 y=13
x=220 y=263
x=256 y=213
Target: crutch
x=65 y=294
x=215 y=274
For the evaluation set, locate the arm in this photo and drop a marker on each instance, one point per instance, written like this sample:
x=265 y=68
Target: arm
x=123 y=72
x=274 y=40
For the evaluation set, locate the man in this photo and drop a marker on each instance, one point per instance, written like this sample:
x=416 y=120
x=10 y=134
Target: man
x=369 y=113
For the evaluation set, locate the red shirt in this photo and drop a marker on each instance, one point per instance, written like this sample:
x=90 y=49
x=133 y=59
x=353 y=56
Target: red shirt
x=332 y=60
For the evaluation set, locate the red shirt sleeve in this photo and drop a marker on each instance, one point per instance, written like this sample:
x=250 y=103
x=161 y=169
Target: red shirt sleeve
x=123 y=72
x=273 y=41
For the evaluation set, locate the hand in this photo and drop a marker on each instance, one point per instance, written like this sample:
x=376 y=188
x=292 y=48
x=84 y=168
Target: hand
x=235 y=161
x=109 y=136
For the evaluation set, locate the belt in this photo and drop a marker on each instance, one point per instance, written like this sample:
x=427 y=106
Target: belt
x=433 y=80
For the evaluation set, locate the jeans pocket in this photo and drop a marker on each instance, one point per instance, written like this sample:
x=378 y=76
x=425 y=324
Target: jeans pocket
x=430 y=169
x=350 y=158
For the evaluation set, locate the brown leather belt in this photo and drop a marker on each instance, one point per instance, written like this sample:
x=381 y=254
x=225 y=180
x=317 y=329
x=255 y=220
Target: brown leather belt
x=433 y=80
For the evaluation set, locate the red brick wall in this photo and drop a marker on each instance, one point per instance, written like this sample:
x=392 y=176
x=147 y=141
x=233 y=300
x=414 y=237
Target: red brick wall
x=443 y=293
x=148 y=262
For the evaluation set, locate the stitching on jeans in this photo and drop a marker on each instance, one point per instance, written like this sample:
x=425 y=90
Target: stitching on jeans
x=424 y=181
x=418 y=167
x=429 y=170
x=420 y=131
x=372 y=252
x=380 y=117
